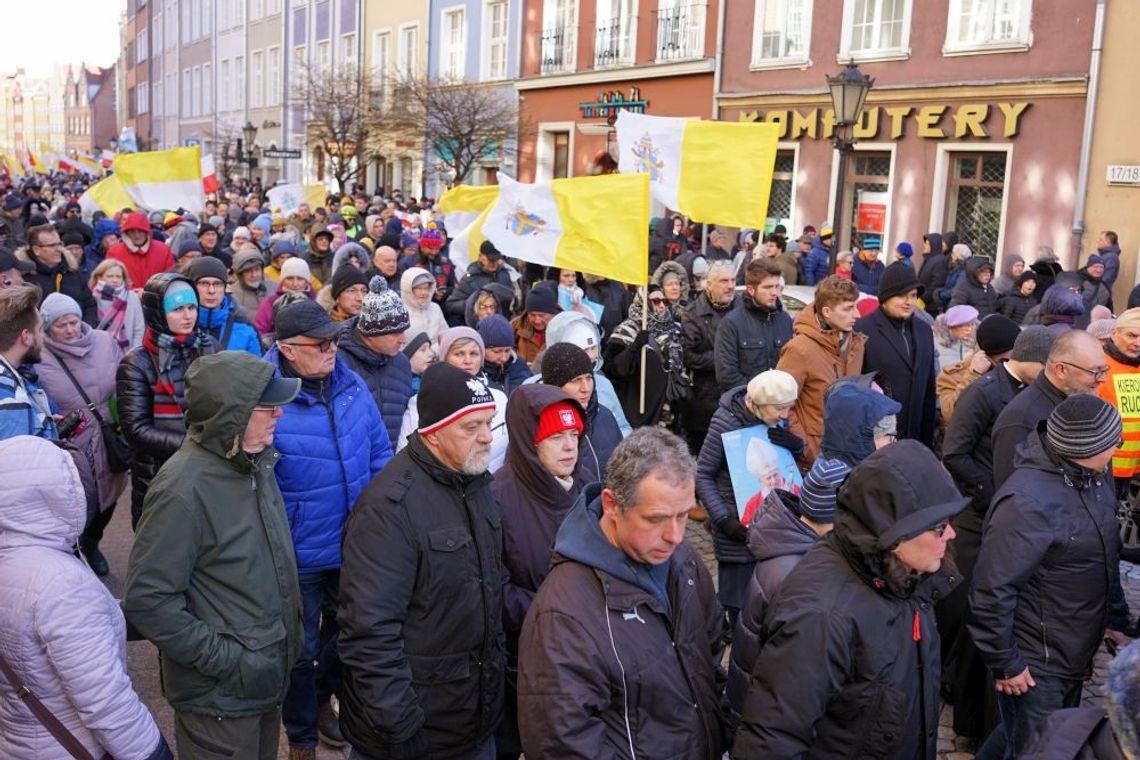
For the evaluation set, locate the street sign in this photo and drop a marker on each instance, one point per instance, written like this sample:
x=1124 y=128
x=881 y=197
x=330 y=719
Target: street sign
x=280 y=153
x=1123 y=174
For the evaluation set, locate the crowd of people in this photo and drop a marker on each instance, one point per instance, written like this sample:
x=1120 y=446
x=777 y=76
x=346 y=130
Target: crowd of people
x=430 y=508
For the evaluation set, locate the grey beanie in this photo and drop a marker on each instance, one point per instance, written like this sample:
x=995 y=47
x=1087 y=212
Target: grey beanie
x=1033 y=344
x=1083 y=426
x=58 y=305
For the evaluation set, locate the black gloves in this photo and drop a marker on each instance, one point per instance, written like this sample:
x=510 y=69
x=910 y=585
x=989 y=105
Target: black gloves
x=786 y=439
x=641 y=339
x=732 y=528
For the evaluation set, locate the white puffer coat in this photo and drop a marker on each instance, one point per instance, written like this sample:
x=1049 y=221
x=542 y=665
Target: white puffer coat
x=60 y=629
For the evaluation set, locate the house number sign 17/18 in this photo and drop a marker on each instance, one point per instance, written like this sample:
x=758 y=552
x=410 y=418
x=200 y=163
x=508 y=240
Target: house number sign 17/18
x=1123 y=174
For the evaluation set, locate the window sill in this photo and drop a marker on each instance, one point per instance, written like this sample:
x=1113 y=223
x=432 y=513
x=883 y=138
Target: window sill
x=772 y=65
x=873 y=56
x=961 y=50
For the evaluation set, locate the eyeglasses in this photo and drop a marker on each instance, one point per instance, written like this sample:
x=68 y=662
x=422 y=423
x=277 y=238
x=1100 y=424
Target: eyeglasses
x=323 y=346
x=265 y=408
x=940 y=528
x=56 y=244
x=1098 y=374
x=211 y=284
x=656 y=300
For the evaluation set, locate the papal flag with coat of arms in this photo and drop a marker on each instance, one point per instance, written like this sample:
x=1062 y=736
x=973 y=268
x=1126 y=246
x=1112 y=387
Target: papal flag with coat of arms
x=595 y=225
x=710 y=171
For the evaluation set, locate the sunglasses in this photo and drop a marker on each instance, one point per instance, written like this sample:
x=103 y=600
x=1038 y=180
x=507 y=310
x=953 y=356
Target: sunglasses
x=323 y=346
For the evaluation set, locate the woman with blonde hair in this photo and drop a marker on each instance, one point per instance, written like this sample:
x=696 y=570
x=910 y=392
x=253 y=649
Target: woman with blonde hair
x=119 y=308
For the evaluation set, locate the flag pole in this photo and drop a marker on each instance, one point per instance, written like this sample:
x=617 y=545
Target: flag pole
x=644 y=349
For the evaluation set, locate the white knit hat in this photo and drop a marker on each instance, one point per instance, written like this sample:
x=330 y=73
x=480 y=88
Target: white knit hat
x=772 y=387
x=295 y=267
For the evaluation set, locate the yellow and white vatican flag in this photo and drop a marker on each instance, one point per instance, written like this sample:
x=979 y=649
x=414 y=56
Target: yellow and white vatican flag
x=107 y=195
x=163 y=179
x=596 y=225
x=711 y=171
x=464 y=210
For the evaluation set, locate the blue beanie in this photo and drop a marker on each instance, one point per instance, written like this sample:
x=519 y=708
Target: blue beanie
x=541 y=299
x=178 y=294
x=905 y=249
x=496 y=331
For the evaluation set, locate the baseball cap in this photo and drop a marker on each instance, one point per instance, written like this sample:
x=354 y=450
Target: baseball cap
x=8 y=261
x=280 y=391
x=305 y=318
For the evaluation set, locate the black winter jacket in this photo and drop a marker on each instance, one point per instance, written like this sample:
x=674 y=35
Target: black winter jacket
x=602 y=436
x=150 y=445
x=714 y=486
x=778 y=539
x=420 y=613
x=1017 y=421
x=507 y=377
x=902 y=353
x=973 y=293
x=63 y=279
x=1016 y=306
x=475 y=278
x=533 y=504
x=840 y=674
x=698 y=334
x=388 y=378
x=604 y=664
x=934 y=270
x=748 y=342
x=1049 y=566
x=615 y=301
x=967 y=450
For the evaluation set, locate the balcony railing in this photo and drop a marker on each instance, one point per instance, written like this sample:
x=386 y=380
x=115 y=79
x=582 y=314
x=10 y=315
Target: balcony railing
x=559 y=49
x=613 y=43
x=681 y=32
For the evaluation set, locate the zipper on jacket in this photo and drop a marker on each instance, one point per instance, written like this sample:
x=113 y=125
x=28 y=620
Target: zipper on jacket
x=1045 y=640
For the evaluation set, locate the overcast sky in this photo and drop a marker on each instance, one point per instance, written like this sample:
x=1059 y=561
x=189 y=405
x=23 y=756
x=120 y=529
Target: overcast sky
x=42 y=33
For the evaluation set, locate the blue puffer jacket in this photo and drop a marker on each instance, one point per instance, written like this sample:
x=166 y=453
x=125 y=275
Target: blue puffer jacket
x=242 y=336
x=388 y=378
x=330 y=451
x=817 y=262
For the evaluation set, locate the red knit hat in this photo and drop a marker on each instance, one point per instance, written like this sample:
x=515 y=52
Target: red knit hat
x=557 y=418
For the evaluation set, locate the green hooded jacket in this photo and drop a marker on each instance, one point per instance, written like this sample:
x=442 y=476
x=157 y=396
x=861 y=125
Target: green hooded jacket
x=212 y=579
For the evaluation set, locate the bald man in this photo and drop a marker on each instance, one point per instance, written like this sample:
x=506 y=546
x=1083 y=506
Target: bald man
x=1076 y=364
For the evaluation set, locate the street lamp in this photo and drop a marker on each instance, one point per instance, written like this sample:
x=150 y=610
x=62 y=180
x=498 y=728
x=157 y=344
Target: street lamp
x=849 y=90
x=245 y=152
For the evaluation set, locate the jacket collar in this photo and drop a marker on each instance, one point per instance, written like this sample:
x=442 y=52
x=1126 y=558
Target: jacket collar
x=891 y=329
x=449 y=478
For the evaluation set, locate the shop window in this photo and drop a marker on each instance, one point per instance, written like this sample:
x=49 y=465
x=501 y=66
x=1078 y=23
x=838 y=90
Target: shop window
x=781 y=33
x=560 y=141
x=987 y=25
x=783 y=182
x=867 y=173
x=974 y=200
x=875 y=29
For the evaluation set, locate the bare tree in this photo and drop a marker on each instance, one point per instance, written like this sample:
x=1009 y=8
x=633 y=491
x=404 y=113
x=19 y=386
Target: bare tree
x=225 y=148
x=462 y=124
x=341 y=109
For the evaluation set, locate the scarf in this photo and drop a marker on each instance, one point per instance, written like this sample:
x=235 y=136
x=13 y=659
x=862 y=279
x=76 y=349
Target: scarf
x=112 y=303
x=172 y=356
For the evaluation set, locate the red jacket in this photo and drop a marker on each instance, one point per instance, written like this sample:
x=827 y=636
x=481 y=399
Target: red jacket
x=145 y=263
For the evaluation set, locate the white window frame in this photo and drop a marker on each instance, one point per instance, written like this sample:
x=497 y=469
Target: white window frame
x=156 y=97
x=625 y=13
x=256 y=79
x=408 y=61
x=453 y=52
x=186 y=95
x=324 y=54
x=171 y=90
x=900 y=53
x=239 y=82
x=141 y=46
x=382 y=62
x=142 y=98
x=544 y=149
x=348 y=48
x=195 y=23
x=941 y=184
x=566 y=18
x=1020 y=42
x=207 y=89
x=185 y=23
x=196 y=91
x=207 y=18
x=224 y=91
x=156 y=32
x=486 y=73
x=868 y=147
x=273 y=76
x=801 y=61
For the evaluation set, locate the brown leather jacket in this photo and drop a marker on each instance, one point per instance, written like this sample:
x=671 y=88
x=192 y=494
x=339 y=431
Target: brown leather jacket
x=814 y=359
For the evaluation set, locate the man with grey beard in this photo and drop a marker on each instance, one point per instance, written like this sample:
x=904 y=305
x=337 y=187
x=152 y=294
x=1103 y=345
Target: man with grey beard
x=420 y=589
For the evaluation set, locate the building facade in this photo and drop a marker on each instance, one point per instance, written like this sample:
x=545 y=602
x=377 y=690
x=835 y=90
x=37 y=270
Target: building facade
x=974 y=122
x=89 y=108
x=395 y=48
x=584 y=60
